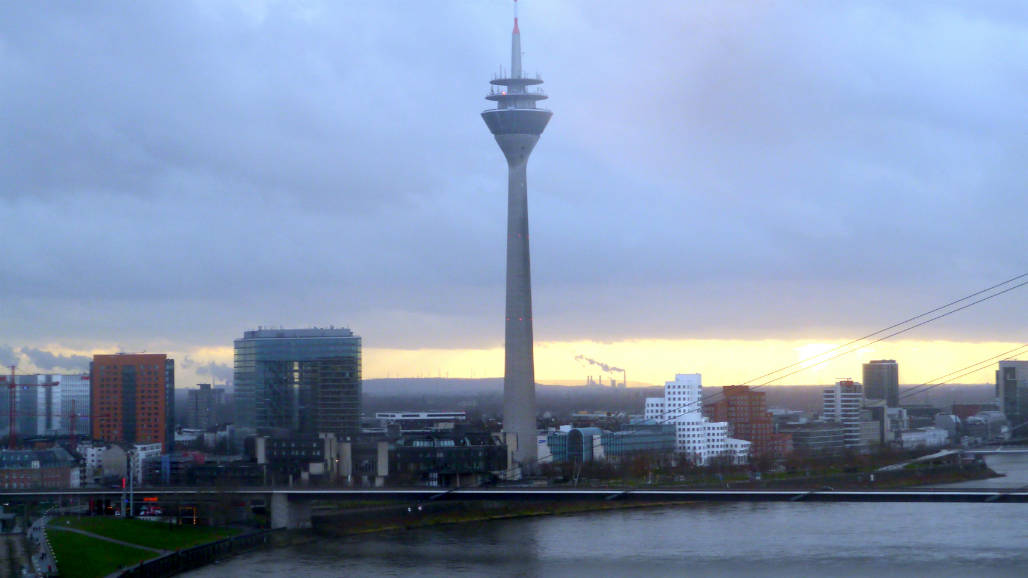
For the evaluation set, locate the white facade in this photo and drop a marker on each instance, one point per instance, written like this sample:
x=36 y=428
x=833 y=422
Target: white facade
x=842 y=403
x=543 y=453
x=92 y=454
x=924 y=438
x=739 y=450
x=138 y=455
x=683 y=397
x=654 y=409
x=696 y=437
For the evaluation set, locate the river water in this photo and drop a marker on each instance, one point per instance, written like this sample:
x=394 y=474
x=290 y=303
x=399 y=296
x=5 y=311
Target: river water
x=741 y=539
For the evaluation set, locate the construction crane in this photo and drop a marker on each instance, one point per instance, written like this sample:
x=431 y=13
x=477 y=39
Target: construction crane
x=12 y=385
x=72 y=440
x=72 y=416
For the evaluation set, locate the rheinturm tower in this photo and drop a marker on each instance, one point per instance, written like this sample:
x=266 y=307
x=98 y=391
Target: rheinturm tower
x=516 y=123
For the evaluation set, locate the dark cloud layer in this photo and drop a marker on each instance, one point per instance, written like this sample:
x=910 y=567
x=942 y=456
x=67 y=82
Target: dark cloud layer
x=179 y=174
x=8 y=356
x=47 y=361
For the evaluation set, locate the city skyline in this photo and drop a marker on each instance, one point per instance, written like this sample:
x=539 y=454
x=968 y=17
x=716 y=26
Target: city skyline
x=748 y=184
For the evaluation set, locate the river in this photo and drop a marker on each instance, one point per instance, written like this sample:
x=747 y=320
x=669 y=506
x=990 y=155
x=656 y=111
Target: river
x=742 y=539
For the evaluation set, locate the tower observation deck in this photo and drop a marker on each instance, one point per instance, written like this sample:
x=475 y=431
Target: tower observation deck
x=516 y=123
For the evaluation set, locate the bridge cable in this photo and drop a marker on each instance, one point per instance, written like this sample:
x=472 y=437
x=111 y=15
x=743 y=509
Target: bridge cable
x=673 y=418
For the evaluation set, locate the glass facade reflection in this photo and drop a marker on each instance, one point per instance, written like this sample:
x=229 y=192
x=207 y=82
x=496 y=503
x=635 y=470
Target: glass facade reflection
x=304 y=380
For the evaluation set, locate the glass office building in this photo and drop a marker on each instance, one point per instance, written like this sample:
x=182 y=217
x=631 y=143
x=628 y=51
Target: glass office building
x=881 y=381
x=1012 y=392
x=302 y=380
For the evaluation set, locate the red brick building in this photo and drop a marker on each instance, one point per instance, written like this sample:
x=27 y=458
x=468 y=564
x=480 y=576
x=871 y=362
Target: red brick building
x=132 y=398
x=748 y=419
x=37 y=469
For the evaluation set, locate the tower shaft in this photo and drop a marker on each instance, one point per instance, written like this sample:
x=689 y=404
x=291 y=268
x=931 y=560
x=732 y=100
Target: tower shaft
x=516 y=124
x=519 y=407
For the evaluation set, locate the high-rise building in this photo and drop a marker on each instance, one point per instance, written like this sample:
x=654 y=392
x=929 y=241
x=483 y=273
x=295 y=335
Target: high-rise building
x=302 y=380
x=1012 y=392
x=842 y=403
x=517 y=123
x=132 y=398
x=746 y=412
x=881 y=381
x=202 y=405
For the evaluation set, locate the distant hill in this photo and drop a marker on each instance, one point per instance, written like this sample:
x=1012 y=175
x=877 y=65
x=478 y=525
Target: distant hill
x=486 y=395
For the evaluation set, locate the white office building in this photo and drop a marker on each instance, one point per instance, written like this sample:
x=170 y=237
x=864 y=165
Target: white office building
x=696 y=437
x=654 y=410
x=138 y=455
x=924 y=438
x=842 y=403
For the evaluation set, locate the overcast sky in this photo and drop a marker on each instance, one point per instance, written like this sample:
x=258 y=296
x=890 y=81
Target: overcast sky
x=173 y=174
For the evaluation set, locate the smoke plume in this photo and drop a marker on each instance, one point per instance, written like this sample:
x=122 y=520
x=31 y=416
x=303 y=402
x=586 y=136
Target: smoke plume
x=600 y=364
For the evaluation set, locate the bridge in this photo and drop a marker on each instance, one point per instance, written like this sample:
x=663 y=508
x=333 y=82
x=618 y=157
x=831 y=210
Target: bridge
x=292 y=507
x=993 y=451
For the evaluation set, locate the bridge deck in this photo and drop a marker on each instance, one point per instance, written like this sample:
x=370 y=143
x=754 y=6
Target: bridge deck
x=1019 y=495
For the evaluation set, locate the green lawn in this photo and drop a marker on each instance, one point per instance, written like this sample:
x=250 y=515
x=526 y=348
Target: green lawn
x=151 y=534
x=81 y=556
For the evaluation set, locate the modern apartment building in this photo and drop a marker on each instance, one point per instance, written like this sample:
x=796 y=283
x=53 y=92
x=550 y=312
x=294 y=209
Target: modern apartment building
x=132 y=398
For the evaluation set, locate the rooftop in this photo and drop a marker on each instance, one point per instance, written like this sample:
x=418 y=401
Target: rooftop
x=262 y=333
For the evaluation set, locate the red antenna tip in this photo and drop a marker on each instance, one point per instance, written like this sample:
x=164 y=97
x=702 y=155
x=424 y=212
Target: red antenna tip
x=516 y=31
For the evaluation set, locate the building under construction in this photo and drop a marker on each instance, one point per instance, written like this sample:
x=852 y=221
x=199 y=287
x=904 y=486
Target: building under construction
x=47 y=404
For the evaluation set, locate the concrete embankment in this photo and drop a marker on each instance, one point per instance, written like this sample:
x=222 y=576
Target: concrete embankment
x=431 y=513
x=415 y=515
x=201 y=555
x=895 y=479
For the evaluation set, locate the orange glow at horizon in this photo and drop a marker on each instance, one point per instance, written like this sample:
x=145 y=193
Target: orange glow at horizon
x=647 y=361
x=722 y=362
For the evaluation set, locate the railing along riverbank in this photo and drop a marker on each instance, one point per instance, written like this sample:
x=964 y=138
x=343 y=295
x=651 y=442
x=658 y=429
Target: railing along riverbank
x=197 y=556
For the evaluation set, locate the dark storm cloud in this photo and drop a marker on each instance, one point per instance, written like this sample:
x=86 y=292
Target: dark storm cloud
x=47 y=361
x=719 y=170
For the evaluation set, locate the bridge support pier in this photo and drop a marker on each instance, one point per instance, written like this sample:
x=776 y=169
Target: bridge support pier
x=289 y=514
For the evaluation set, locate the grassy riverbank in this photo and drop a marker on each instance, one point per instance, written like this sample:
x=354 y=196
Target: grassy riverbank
x=81 y=556
x=145 y=533
x=97 y=552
